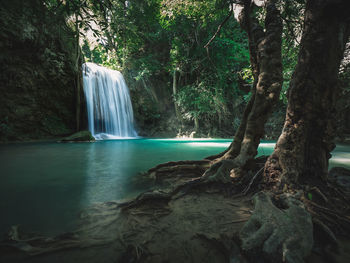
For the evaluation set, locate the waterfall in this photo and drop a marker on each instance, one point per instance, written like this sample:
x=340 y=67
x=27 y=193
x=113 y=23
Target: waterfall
x=110 y=114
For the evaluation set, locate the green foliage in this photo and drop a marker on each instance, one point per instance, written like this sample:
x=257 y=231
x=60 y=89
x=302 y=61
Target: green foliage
x=86 y=51
x=195 y=101
x=309 y=196
x=292 y=16
x=289 y=60
x=207 y=85
x=153 y=38
x=247 y=75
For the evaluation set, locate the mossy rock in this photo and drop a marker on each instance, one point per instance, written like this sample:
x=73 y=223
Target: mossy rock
x=82 y=136
x=38 y=50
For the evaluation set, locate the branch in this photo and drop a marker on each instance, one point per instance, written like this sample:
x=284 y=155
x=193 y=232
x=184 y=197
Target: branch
x=219 y=27
x=291 y=28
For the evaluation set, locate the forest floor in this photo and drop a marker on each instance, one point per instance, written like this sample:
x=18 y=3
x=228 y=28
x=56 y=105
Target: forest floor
x=174 y=222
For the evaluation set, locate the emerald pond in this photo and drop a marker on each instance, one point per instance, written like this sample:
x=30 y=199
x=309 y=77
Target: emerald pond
x=45 y=185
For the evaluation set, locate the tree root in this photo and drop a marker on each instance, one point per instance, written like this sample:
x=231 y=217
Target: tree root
x=284 y=235
x=171 y=172
x=245 y=191
x=153 y=196
x=220 y=172
x=38 y=245
x=330 y=217
x=188 y=174
x=178 y=164
x=329 y=233
x=319 y=192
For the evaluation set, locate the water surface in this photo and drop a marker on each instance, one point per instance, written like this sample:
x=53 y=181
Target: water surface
x=45 y=185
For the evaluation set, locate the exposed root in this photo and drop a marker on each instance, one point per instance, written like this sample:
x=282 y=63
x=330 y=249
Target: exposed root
x=178 y=164
x=155 y=196
x=188 y=174
x=175 y=173
x=284 y=235
x=325 y=229
x=326 y=200
x=245 y=191
x=220 y=171
x=319 y=192
x=156 y=227
x=38 y=245
x=330 y=217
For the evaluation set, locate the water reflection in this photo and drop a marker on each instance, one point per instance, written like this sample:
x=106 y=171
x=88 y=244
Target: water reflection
x=110 y=168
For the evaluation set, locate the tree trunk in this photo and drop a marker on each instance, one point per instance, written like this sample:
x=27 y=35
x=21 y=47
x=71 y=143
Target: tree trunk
x=303 y=149
x=265 y=59
x=177 y=112
x=196 y=123
x=78 y=76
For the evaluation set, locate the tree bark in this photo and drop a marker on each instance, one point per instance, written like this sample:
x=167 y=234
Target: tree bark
x=196 y=123
x=269 y=83
x=303 y=149
x=265 y=59
x=78 y=75
x=177 y=111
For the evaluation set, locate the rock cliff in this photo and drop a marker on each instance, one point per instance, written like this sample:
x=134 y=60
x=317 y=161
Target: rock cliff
x=38 y=73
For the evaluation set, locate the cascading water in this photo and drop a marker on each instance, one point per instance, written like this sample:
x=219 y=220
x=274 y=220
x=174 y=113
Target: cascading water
x=109 y=108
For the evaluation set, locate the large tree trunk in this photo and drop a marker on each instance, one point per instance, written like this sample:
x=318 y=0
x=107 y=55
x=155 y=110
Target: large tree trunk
x=265 y=58
x=303 y=149
x=269 y=83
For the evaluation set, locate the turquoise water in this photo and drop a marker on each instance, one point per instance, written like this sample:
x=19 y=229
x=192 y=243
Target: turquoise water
x=44 y=185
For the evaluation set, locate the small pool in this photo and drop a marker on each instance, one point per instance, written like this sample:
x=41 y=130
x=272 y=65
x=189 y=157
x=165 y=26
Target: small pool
x=44 y=185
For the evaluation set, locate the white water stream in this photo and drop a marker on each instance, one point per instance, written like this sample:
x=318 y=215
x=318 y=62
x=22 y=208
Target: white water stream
x=110 y=114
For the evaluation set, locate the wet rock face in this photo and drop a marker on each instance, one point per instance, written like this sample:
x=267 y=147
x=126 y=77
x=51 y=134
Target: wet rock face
x=37 y=73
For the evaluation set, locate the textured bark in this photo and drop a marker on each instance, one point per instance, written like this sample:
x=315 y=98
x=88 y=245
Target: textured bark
x=79 y=77
x=265 y=59
x=177 y=111
x=269 y=82
x=235 y=146
x=303 y=149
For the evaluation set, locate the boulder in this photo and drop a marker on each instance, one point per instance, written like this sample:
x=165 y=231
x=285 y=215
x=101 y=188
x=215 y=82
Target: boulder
x=81 y=136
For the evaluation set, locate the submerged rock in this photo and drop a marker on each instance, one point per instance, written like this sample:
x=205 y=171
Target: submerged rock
x=81 y=136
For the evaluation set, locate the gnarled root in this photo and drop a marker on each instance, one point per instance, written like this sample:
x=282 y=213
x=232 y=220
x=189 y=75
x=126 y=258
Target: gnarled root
x=178 y=174
x=220 y=171
x=37 y=245
x=331 y=217
x=171 y=173
x=285 y=235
